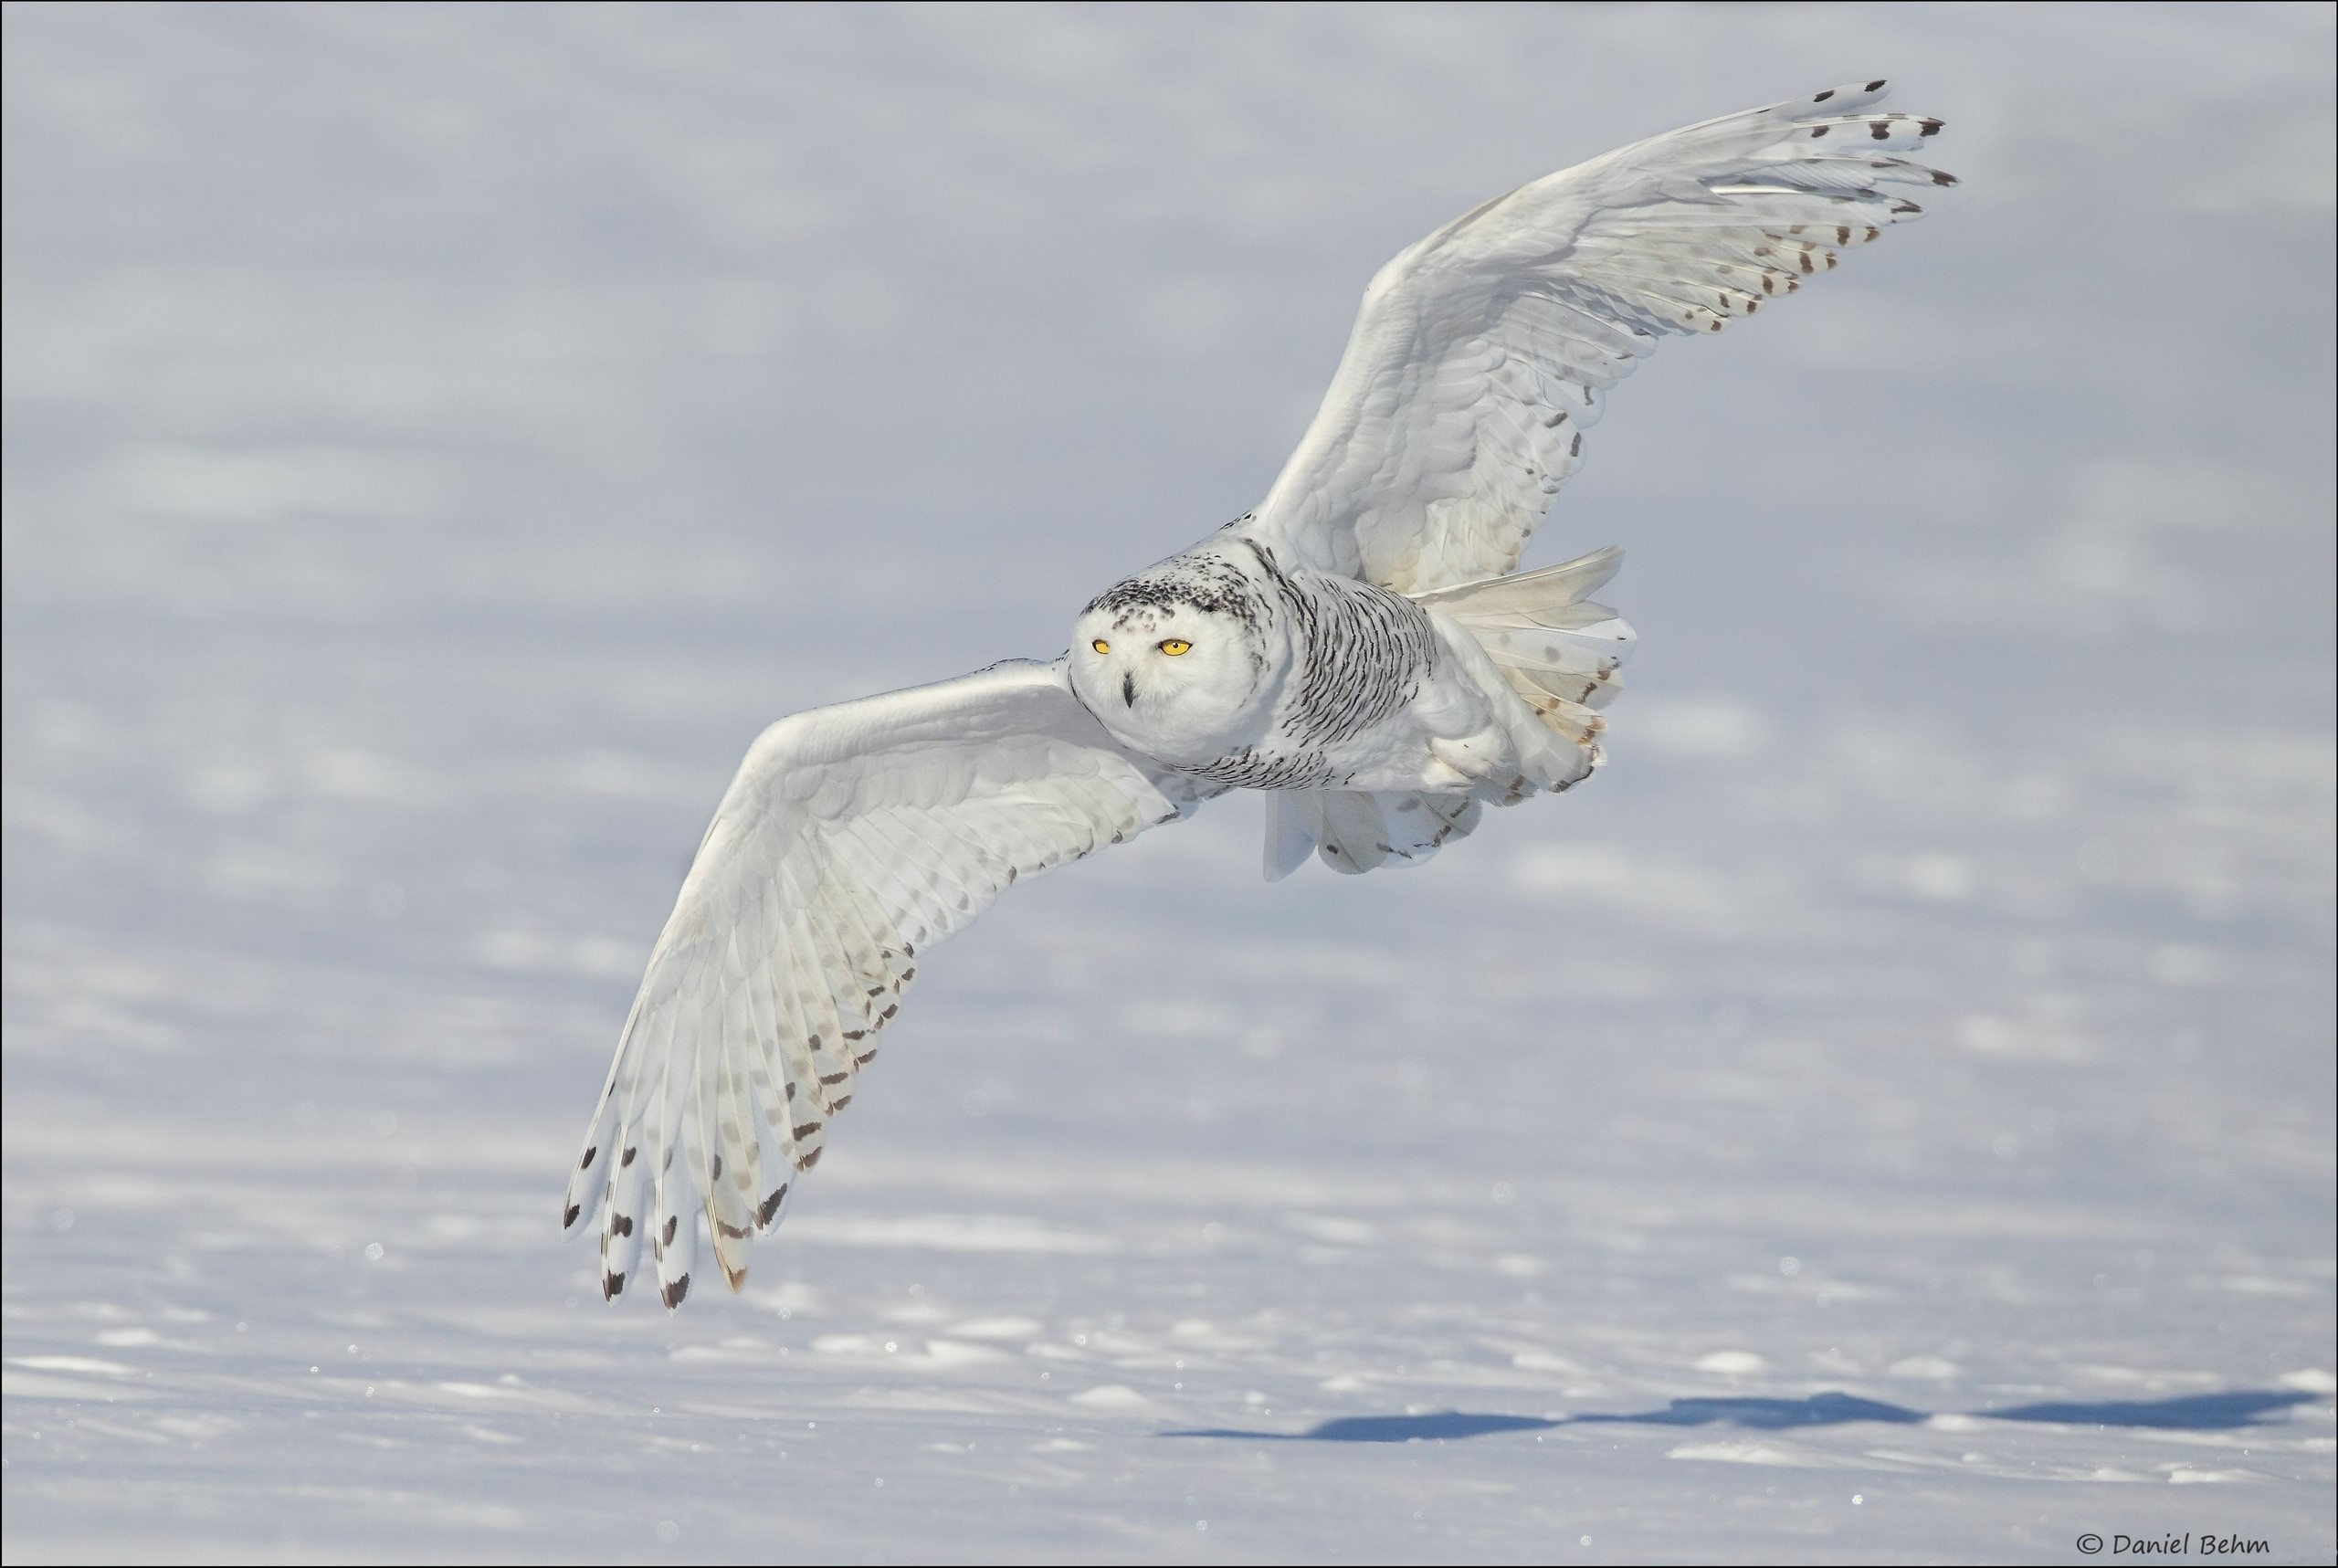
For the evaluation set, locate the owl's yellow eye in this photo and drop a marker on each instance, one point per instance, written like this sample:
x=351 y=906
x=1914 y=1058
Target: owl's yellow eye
x=1100 y=646
x=1176 y=645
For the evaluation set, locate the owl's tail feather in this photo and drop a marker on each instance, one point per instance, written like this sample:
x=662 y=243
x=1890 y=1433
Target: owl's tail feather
x=1358 y=831
x=1557 y=648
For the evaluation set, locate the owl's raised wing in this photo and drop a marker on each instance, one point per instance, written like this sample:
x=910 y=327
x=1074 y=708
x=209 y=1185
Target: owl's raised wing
x=853 y=838
x=1481 y=355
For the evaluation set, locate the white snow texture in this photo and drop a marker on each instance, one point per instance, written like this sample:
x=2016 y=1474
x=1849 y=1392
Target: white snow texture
x=1887 y=1115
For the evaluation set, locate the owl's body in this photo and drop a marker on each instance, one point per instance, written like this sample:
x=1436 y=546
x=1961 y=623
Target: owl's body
x=1358 y=648
x=1312 y=683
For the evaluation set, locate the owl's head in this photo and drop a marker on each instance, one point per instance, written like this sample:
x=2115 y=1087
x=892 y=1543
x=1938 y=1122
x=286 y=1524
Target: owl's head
x=1183 y=661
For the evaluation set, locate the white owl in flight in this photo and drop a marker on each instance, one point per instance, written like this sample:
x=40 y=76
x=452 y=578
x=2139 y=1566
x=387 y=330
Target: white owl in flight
x=1353 y=647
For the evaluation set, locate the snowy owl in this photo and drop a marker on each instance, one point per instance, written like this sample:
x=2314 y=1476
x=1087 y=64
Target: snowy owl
x=1357 y=646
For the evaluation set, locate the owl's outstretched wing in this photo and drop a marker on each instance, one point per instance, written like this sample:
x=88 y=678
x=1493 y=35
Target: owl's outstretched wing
x=853 y=838
x=1481 y=355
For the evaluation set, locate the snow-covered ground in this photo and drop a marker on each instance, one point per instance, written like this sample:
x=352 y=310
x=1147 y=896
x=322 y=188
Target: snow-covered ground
x=1887 y=1116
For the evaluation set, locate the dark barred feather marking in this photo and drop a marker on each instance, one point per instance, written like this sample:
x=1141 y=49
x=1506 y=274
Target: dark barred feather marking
x=1208 y=581
x=1368 y=651
x=1251 y=769
x=1364 y=654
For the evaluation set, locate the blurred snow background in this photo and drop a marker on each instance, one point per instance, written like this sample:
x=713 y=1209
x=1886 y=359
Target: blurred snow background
x=1887 y=1114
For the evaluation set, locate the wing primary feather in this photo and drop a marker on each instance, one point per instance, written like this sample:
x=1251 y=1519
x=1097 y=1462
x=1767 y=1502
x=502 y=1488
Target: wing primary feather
x=587 y=1181
x=673 y=1241
x=622 y=1219
x=733 y=1174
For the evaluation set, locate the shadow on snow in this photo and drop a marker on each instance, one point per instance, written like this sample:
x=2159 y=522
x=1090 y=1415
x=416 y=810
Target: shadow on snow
x=2194 y=1413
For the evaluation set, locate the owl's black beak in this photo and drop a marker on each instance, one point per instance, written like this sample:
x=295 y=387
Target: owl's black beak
x=1128 y=690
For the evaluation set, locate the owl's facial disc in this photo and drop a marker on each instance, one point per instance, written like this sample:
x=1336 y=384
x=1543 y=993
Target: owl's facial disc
x=1167 y=678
